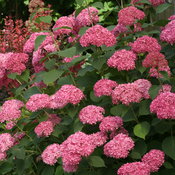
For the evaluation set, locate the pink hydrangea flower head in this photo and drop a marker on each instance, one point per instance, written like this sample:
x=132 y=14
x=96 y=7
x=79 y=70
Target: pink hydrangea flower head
x=171 y=18
x=119 y=146
x=10 y=125
x=163 y=105
x=155 y=159
x=143 y=87
x=68 y=60
x=122 y=60
x=3 y=156
x=54 y=119
x=99 y=138
x=110 y=124
x=91 y=114
x=6 y=142
x=145 y=44
x=126 y=93
x=87 y=17
x=153 y=72
x=157 y=2
x=71 y=158
x=168 y=33
x=64 y=21
x=135 y=168
x=98 y=36
x=129 y=15
x=51 y=154
x=104 y=87
x=165 y=88
x=70 y=168
x=10 y=110
x=121 y=130
x=44 y=129
x=37 y=102
x=118 y=29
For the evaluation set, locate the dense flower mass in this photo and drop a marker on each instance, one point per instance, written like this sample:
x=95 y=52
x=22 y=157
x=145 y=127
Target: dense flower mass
x=119 y=146
x=145 y=44
x=163 y=105
x=51 y=154
x=87 y=17
x=122 y=60
x=98 y=36
x=10 y=110
x=66 y=94
x=168 y=33
x=110 y=123
x=104 y=87
x=37 y=102
x=91 y=114
x=156 y=2
x=129 y=15
x=135 y=168
x=155 y=159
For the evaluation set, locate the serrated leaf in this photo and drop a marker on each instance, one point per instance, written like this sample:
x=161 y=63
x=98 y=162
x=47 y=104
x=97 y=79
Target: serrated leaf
x=49 y=170
x=39 y=41
x=144 y=107
x=98 y=5
x=153 y=91
x=161 y=8
x=46 y=19
x=70 y=52
x=96 y=161
x=31 y=91
x=59 y=171
x=145 y=2
x=142 y=129
x=168 y=146
x=12 y=76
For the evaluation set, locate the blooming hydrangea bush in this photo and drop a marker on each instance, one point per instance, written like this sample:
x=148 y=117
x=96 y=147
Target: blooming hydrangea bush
x=92 y=93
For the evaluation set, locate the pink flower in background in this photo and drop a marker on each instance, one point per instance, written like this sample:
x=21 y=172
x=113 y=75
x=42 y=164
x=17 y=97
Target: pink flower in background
x=10 y=110
x=119 y=146
x=157 y=2
x=70 y=168
x=110 y=123
x=129 y=15
x=37 y=102
x=155 y=159
x=98 y=36
x=3 y=156
x=119 y=28
x=135 y=168
x=104 y=87
x=145 y=44
x=91 y=114
x=10 y=125
x=156 y=72
x=163 y=105
x=165 y=88
x=171 y=18
x=51 y=154
x=122 y=60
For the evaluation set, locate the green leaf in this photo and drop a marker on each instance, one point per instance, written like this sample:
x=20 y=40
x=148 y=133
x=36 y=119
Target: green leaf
x=70 y=52
x=46 y=19
x=49 y=170
x=51 y=76
x=145 y=2
x=94 y=98
x=31 y=91
x=144 y=107
x=65 y=80
x=63 y=27
x=12 y=76
x=18 y=153
x=59 y=171
x=98 y=5
x=142 y=129
x=161 y=8
x=5 y=167
x=20 y=166
x=79 y=2
x=78 y=11
x=168 y=146
x=96 y=161
x=153 y=91
x=25 y=75
x=83 y=30
x=78 y=126
x=86 y=69
x=119 y=110
x=39 y=41
x=50 y=64
x=98 y=63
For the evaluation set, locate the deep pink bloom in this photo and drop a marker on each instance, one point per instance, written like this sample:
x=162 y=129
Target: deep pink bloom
x=37 y=102
x=145 y=44
x=122 y=60
x=156 y=2
x=129 y=15
x=91 y=114
x=135 y=168
x=119 y=28
x=155 y=159
x=98 y=36
x=119 y=146
x=99 y=138
x=163 y=105
x=104 y=87
x=110 y=124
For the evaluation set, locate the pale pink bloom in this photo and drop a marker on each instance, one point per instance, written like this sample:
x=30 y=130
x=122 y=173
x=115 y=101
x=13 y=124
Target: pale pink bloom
x=10 y=125
x=91 y=114
x=155 y=159
x=171 y=18
x=104 y=87
x=98 y=36
x=122 y=60
x=3 y=156
x=99 y=138
x=119 y=146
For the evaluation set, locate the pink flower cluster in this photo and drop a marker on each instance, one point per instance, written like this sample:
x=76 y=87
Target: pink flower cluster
x=6 y=142
x=45 y=128
x=119 y=146
x=171 y=18
x=98 y=36
x=122 y=60
x=165 y=88
x=12 y=63
x=91 y=114
x=168 y=33
x=157 y=2
x=104 y=87
x=151 y=162
x=163 y=105
x=145 y=44
x=129 y=15
x=131 y=92
x=10 y=110
x=119 y=28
